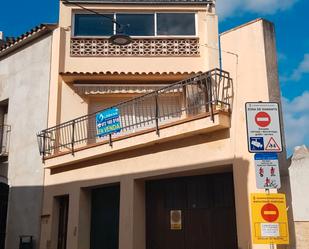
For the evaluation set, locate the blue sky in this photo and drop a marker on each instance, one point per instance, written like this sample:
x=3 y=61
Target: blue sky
x=291 y=21
x=292 y=34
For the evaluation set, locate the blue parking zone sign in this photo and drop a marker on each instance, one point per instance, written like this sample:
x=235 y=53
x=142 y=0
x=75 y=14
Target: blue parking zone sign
x=256 y=143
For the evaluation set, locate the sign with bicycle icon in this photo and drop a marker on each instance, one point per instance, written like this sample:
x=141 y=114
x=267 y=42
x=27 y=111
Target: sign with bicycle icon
x=267 y=171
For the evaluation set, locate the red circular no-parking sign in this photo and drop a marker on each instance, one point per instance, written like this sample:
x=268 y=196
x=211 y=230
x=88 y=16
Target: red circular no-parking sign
x=262 y=119
x=270 y=212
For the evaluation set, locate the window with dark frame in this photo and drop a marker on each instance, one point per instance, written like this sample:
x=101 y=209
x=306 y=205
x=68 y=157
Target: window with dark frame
x=167 y=24
x=93 y=25
x=175 y=24
x=138 y=24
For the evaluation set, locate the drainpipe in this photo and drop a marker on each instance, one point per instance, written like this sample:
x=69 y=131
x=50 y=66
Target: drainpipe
x=220 y=56
x=219 y=43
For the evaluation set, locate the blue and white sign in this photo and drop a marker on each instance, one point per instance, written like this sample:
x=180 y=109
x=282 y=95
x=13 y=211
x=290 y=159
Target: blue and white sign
x=108 y=122
x=257 y=143
x=267 y=171
x=263 y=127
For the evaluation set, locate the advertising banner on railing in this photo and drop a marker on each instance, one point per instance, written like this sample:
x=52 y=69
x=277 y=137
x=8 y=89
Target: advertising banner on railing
x=108 y=122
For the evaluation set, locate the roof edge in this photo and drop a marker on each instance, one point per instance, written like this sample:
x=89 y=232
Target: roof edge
x=141 y=2
x=26 y=38
x=116 y=73
x=244 y=25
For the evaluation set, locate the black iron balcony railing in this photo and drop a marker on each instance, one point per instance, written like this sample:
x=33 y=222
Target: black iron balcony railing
x=205 y=93
x=5 y=131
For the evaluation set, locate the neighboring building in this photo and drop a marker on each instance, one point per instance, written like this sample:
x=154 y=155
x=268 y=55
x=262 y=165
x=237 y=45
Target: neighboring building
x=178 y=173
x=299 y=175
x=24 y=89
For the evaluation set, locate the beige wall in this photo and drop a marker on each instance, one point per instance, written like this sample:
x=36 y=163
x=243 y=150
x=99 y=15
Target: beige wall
x=253 y=64
x=207 y=24
x=72 y=105
x=244 y=56
x=65 y=104
x=302 y=234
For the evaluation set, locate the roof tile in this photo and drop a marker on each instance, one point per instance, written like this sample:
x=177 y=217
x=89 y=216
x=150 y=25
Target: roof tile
x=145 y=1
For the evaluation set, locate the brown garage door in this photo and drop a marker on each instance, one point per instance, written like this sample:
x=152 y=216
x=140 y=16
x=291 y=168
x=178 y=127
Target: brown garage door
x=191 y=213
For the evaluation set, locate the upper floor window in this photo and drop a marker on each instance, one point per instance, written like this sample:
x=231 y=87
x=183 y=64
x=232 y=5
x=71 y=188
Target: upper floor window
x=175 y=24
x=93 y=25
x=137 y=24
x=152 y=24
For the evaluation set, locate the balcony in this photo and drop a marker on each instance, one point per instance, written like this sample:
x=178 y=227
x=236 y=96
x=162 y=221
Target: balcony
x=5 y=131
x=100 y=47
x=196 y=105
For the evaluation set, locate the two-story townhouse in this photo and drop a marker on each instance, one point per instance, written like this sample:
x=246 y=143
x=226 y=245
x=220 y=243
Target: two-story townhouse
x=24 y=89
x=170 y=167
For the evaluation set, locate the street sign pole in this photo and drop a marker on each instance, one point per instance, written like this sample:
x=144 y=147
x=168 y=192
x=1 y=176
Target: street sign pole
x=271 y=246
x=269 y=215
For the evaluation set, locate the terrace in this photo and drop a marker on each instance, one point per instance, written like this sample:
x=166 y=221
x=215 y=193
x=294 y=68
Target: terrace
x=199 y=104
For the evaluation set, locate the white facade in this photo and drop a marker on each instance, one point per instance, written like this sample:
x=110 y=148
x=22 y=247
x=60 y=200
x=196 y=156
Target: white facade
x=24 y=87
x=299 y=175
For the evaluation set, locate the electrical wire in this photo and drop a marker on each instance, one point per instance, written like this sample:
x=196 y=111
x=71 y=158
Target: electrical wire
x=119 y=25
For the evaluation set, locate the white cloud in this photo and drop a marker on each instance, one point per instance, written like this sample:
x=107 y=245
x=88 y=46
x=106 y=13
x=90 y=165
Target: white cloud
x=302 y=68
x=281 y=57
x=297 y=74
x=296 y=120
x=228 y=8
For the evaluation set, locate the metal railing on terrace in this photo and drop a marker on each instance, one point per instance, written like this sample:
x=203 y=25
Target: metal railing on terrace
x=200 y=95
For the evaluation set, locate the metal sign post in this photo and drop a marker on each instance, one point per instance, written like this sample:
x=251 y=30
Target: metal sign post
x=263 y=127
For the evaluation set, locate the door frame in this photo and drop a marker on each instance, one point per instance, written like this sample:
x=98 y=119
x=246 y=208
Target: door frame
x=186 y=179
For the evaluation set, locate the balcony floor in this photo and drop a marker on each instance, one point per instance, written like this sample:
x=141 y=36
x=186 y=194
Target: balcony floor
x=199 y=124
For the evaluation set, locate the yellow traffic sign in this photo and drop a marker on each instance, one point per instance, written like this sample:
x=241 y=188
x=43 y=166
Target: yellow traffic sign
x=269 y=219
